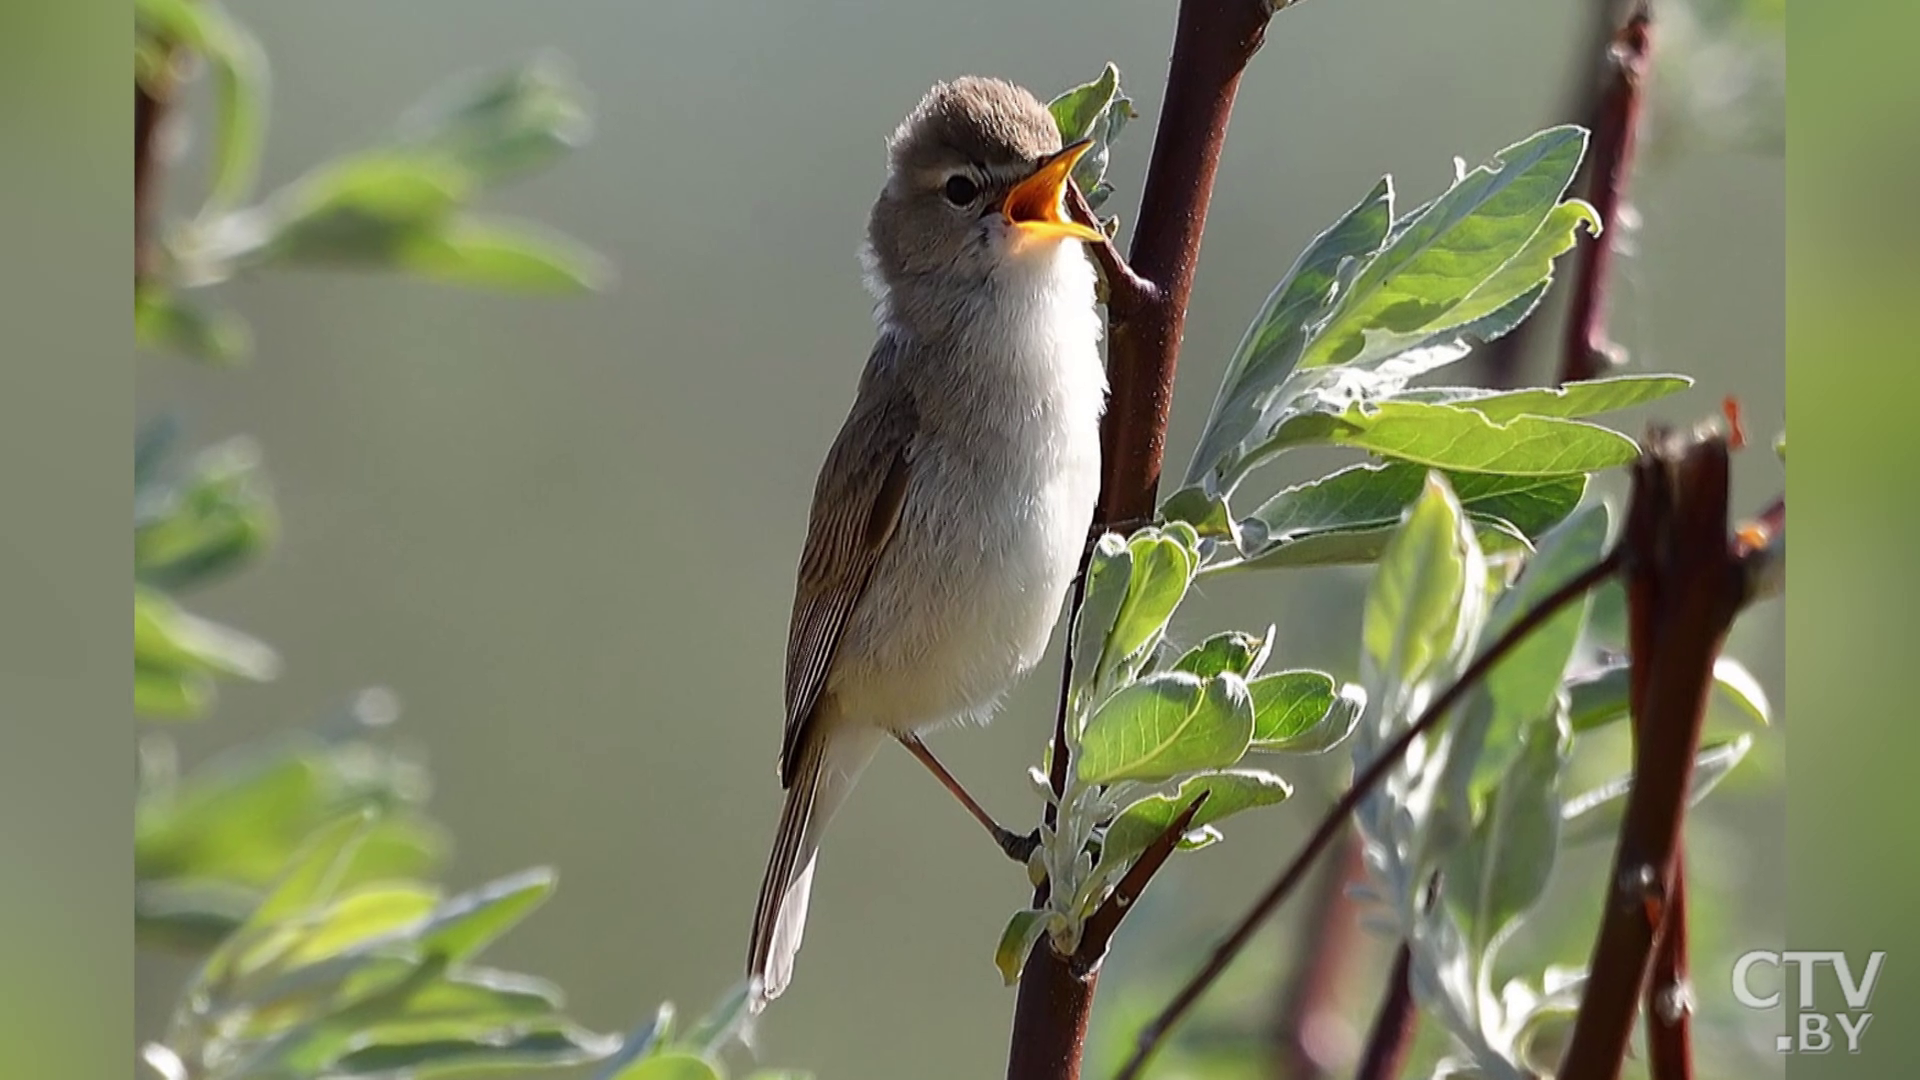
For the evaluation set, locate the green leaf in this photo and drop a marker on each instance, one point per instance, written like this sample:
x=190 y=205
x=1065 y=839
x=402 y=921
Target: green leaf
x=217 y=519
x=237 y=820
x=1076 y=111
x=1602 y=697
x=1299 y=712
x=1364 y=545
x=165 y=321
x=1109 y=572
x=170 y=693
x=175 y=652
x=643 y=1041
x=240 y=817
x=1460 y=439
x=1414 y=607
x=468 y=923
x=1523 y=684
x=1229 y=791
x=1542 y=1041
x=1738 y=687
x=1532 y=266
x=713 y=1031
x=1599 y=698
x=1502 y=870
x=1444 y=267
x=494 y=253
x=1098 y=110
x=1607 y=622
x=314 y=873
x=1164 y=725
x=1271 y=348
x=1206 y=512
x=239 y=69
x=1234 y=651
x=1161 y=567
x=669 y=1066
x=167 y=636
x=1369 y=497
x=190 y=916
x=308 y=883
x=1017 y=941
x=498 y=125
x=1596 y=814
x=363 y=211
x=359 y=916
x=539 y=1047
x=1569 y=401
x=1287 y=704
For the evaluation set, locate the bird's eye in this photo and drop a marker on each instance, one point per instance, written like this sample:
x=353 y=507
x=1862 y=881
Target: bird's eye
x=961 y=190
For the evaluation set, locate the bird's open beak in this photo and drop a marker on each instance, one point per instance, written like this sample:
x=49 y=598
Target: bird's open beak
x=1037 y=205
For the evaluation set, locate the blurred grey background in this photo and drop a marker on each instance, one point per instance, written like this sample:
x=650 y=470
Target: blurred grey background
x=564 y=530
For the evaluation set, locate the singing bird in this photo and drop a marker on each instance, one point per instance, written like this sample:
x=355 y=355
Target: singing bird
x=953 y=507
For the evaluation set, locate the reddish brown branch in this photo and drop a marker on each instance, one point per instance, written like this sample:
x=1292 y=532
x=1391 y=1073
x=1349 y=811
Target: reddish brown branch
x=1589 y=351
x=1147 y=306
x=1311 y=1030
x=1669 y=1007
x=1685 y=583
x=1099 y=930
x=1212 y=45
x=1392 y=1034
x=1335 y=819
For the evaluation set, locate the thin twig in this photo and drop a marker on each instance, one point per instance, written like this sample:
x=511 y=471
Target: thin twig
x=1589 y=350
x=1097 y=934
x=1392 y=1034
x=1128 y=294
x=1337 y=815
x=1685 y=584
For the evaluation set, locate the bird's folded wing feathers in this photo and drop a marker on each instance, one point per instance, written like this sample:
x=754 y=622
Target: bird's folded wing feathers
x=856 y=506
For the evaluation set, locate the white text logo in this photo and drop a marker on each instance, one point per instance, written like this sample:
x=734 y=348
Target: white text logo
x=1812 y=1031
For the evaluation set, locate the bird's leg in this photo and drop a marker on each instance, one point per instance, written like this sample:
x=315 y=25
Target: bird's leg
x=1017 y=847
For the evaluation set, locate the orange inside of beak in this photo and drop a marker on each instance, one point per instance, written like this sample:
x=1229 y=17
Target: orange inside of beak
x=1037 y=205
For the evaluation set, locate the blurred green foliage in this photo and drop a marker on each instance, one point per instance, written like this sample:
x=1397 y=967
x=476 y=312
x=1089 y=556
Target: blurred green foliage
x=298 y=871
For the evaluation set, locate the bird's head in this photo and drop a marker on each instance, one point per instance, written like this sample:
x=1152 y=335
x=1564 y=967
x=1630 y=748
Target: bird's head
x=976 y=180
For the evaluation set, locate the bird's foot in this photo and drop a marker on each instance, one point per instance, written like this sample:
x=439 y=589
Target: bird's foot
x=1017 y=847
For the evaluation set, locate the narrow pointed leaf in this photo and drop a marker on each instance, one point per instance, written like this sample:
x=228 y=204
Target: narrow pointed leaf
x=1229 y=791
x=1431 y=274
x=1568 y=401
x=1596 y=814
x=1503 y=868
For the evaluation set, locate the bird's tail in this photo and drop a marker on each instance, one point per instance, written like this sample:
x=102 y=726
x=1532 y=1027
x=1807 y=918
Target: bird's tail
x=822 y=778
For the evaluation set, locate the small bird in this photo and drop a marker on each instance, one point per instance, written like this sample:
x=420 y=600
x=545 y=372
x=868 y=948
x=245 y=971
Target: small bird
x=952 y=510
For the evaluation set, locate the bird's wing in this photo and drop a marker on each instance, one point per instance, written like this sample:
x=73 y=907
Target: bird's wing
x=856 y=507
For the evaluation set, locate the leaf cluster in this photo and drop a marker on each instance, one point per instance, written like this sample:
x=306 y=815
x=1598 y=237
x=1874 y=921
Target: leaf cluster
x=1474 y=505
x=299 y=871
